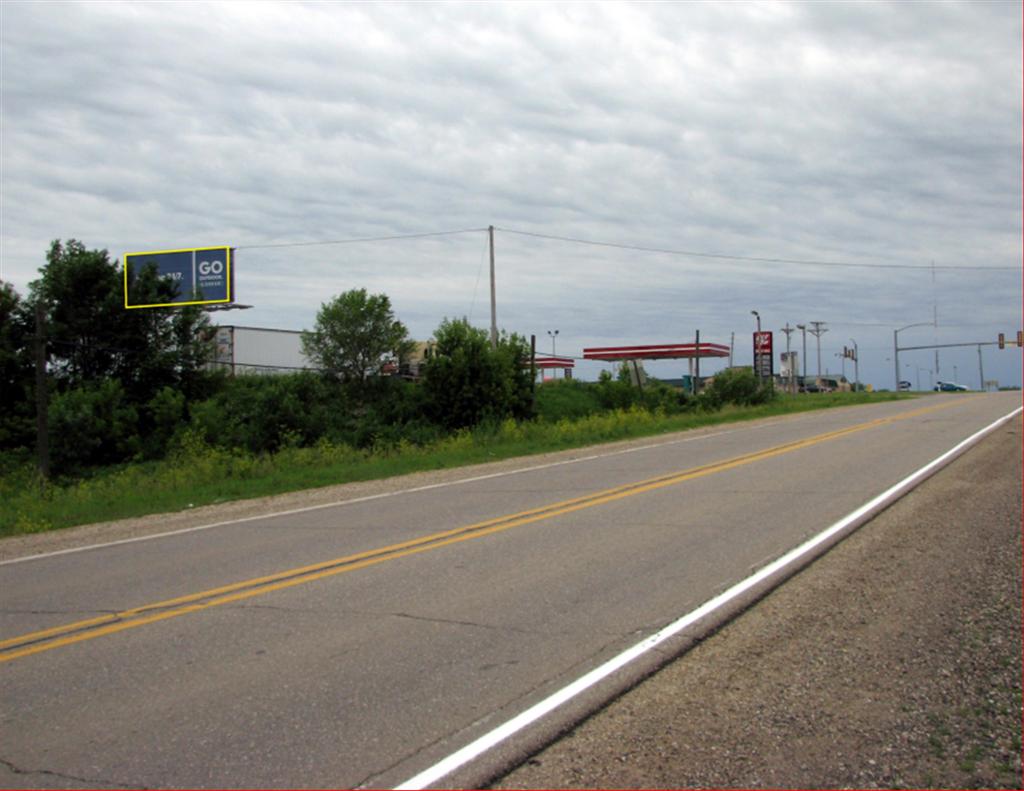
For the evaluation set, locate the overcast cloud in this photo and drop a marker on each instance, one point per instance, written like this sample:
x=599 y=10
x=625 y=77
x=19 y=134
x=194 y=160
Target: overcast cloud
x=866 y=133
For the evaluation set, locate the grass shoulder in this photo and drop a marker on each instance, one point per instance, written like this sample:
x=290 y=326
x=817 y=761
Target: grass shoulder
x=196 y=473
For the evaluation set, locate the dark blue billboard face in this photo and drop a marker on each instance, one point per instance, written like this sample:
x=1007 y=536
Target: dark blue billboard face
x=199 y=276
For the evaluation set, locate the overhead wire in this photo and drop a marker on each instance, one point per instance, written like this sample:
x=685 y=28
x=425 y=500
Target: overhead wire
x=753 y=259
x=395 y=237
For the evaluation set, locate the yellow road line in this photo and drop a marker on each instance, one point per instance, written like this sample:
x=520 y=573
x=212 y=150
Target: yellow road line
x=88 y=629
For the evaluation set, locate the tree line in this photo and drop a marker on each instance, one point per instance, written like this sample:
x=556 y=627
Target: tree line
x=121 y=385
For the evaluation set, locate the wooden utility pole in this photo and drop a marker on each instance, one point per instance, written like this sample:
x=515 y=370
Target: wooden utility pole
x=42 y=396
x=789 y=357
x=494 y=310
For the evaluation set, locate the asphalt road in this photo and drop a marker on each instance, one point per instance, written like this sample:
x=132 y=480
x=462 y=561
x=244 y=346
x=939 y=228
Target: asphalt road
x=358 y=644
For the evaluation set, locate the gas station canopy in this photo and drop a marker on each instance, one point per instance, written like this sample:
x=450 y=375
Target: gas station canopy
x=558 y=363
x=662 y=351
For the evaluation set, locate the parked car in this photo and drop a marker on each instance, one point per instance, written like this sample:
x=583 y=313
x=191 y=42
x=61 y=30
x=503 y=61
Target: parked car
x=904 y=385
x=949 y=387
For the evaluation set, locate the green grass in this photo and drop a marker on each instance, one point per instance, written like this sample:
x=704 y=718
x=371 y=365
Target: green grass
x=196 y=474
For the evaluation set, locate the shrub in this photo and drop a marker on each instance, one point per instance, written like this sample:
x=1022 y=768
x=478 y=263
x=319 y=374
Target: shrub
x=91 y=425
x=264 y=413
x=566 y=399
x=739 y=386
x=466 y=382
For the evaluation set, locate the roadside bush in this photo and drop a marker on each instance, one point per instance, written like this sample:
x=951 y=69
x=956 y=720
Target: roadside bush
x=264 y=413
x=615 y=394
x=92 y=425
x=163 y=417
x=566 y=400
x=466 y=382
x=740 y=386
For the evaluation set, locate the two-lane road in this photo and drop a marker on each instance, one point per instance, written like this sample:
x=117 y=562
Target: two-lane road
x=360 y=643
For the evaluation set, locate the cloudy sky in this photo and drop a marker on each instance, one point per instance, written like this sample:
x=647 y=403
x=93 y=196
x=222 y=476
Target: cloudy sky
x=651 y=169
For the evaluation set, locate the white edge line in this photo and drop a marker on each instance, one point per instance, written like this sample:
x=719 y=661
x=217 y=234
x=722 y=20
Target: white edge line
x=369 y=497
x=491 y=739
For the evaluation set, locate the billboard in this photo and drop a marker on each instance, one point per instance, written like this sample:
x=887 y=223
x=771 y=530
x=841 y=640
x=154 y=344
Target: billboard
x=200 y=275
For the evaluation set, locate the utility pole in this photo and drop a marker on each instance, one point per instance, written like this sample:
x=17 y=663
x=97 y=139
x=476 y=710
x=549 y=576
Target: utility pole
x=494 y=310
x=42 y=397
x=789 y=330
x=981 y=370
x=803 y=332
x=817 y=331
x=732 y=343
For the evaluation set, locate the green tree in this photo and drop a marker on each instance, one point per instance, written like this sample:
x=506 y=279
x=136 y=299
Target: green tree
x=356 y=335
x=17 y=370
x=92 y=336
x=466 y=381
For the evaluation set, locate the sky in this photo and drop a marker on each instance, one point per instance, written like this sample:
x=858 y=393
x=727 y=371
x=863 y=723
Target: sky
x=651 y=169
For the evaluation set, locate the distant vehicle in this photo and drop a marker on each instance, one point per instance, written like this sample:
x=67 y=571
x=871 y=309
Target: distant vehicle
x=904 y=385
x=949 y=387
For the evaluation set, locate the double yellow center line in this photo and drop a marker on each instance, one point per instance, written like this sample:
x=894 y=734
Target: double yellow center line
x=91 y=628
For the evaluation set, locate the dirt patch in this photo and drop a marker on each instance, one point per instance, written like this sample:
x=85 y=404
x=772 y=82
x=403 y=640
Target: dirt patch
x=893 y=661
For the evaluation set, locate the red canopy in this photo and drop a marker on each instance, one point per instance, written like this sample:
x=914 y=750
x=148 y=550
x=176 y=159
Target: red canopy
x=554 y=362
x=661 y=351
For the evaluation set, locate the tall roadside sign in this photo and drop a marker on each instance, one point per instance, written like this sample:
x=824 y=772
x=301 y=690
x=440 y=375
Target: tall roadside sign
x=764 y=364
x=200 y=275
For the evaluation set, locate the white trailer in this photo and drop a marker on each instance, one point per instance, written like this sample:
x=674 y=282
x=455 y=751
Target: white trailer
x=260 y=350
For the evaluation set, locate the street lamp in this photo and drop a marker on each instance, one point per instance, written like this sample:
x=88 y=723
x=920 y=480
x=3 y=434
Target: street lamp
x=757 y=344
x=553 y=334
x=896 y=347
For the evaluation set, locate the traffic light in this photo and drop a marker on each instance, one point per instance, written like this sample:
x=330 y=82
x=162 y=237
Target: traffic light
x=1020 y=338
x=1002 y=341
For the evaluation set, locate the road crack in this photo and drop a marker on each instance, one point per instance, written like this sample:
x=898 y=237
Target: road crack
x=16 y=770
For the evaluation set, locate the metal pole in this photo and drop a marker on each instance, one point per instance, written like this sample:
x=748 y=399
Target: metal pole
x=757 y=347
x=696 y=386
x=494 y=310
x=981 y=370
x=856 y=365
x=896 y=358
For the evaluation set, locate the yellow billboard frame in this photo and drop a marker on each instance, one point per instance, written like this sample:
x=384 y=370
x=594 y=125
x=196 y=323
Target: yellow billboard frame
x=227 y=273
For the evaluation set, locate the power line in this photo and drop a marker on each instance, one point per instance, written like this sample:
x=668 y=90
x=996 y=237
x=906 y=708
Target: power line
x=355 y=241
x=755 y=259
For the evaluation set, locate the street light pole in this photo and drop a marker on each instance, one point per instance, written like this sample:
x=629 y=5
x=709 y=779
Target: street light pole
x=553 y=335
x=896 y=347
x=757 y=345
x=856 y=365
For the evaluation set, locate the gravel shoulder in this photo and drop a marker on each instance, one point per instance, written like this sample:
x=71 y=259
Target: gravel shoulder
x=895 y=660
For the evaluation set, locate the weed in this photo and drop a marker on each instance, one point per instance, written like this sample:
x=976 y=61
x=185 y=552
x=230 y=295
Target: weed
x=197 y=472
